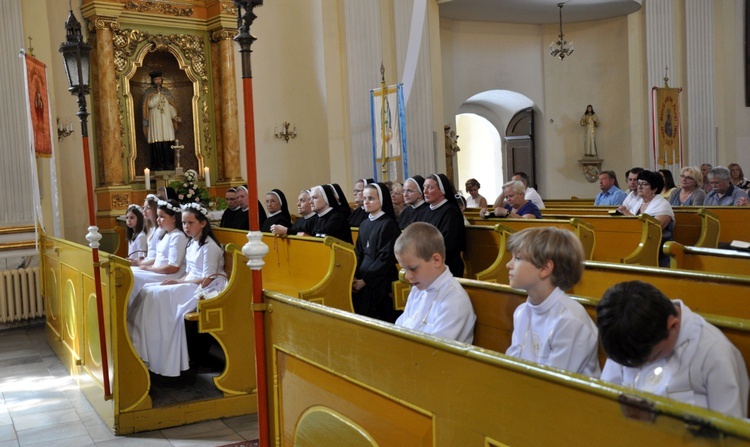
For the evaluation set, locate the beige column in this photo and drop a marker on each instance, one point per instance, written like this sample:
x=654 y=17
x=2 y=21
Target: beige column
x=109 y=147
x=228 y=120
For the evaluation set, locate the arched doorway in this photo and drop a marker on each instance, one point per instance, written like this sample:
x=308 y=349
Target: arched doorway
x=496 y=130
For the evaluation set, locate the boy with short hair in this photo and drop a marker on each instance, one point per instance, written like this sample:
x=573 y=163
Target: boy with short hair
x=661 y=346
x=437 y=303
x=550 y=328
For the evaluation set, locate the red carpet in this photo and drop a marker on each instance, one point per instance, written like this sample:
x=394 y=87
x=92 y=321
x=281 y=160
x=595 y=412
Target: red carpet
x=253 y=443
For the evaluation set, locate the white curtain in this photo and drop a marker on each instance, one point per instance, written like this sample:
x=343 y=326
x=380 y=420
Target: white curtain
x=16 y=183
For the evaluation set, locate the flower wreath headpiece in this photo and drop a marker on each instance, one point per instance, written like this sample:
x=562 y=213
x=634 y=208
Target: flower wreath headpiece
x=168 y=206
x=133 y=206
x=195 y=206
x=152 y=198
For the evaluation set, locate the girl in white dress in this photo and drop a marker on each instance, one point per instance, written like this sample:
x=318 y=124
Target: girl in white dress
x=137 y=234
x=169 y=261
x=150 y=206
x=157 y=325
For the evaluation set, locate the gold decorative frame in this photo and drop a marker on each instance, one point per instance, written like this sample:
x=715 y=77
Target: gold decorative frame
x=131 y=48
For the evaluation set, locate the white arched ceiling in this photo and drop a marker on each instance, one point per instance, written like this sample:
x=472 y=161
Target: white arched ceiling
x=496 y=106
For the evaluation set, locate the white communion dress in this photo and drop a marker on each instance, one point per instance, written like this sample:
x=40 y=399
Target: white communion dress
x=156 y=323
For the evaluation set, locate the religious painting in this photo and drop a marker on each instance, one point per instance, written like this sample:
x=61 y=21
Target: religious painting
x=668 y=150
x=39 y=107
x=388 y=124
x=162 y=96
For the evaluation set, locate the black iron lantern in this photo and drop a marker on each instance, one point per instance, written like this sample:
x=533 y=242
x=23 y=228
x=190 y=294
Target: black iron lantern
x=75 y=54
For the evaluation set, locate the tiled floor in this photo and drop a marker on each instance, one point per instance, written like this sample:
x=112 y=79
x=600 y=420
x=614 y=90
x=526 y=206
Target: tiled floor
x=40 y=405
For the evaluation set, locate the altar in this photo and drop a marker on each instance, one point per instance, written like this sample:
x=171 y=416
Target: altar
x=192 y=104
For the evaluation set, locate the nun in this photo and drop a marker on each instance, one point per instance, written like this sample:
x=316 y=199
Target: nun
x=278 y=211
x=415 y=206
x=359 y=214
x=445 y=214
x=330 y=222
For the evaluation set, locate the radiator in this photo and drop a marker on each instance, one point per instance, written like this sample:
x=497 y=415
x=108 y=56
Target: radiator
x=20 y=295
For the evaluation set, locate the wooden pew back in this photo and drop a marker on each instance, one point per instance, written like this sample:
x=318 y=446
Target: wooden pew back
x=330 y=389
x=707 y=259
x=709 y=293
x=317 y=269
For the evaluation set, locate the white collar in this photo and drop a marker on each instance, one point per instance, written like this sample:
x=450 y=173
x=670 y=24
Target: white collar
x=309 y=215
x=277 y=212
x=325 y=211
x=418 y=204
x=443 y=202
x=376 y=215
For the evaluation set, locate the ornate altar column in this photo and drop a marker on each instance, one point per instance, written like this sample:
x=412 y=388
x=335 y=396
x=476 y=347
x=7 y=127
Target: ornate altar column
x=110 y=147
x=230 y=132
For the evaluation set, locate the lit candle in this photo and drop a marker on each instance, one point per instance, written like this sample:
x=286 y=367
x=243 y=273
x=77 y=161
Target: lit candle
x=207 y=176
x=147 y=174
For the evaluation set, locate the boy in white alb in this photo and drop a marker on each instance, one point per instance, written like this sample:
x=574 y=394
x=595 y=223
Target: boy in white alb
x=437 y=304
x=550 y=328
x=662 y=347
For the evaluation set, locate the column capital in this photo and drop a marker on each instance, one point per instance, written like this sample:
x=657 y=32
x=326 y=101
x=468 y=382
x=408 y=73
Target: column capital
x=223 y=34
x=98 y=23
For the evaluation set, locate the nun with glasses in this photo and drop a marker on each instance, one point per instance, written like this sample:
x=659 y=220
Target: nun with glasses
x=359 y=215
x=278 y=211
x=414 y=204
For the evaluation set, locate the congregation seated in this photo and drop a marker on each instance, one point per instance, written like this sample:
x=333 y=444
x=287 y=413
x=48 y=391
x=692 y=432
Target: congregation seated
x=329 y=222
x=437 y=304
x=724 y=192
x=690 y=192
x=414 y=204
x=304 y=224
x=738 y=177
x=652 y=203
x=343 y=204
x=661 y=346
x=669 y=185
x=156 y=317
x=610 y=194
x=475 y=200
x=397 y=197
x=228 y=217
x=529 y=193
x=150 y=209
x=632 y=178
x=240 y=219
x=278 y=211
x=445 y=215
x=358 y=214
x=517 y=206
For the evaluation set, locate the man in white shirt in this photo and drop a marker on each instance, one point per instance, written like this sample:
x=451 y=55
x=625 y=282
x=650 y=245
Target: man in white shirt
x=632 y=177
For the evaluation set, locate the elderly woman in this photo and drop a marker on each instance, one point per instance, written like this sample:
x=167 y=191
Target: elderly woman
x=278 y=211
x=414 y=204
x=444 y=214
x=652 y=203
x=516 y=205
x=690 y=192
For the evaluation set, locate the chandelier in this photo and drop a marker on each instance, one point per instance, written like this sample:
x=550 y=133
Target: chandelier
x=561 y=48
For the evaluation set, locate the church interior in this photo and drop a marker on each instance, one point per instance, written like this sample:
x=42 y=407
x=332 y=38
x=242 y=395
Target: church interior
x=481 y=69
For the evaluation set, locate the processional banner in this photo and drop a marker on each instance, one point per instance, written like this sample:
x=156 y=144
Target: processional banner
x=37 y=94
x=388 y=124
x=667 y=128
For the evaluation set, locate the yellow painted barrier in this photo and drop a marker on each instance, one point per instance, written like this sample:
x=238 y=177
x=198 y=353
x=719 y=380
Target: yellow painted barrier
x=708 y=259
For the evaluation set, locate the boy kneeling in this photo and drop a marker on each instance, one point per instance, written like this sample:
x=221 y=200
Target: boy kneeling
x=662 y=347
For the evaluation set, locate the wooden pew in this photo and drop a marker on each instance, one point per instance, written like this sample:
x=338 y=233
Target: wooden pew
x=626 y=239
x=328 y=368
x=710 y=293
x=707 y=259
x=314 y=269
x=494 y=305
x=693 y=226
x=733 y=221
x=73 y=334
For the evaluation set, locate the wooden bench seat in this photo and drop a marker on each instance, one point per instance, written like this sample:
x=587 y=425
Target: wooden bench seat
x=707 y=259
x=626 y=239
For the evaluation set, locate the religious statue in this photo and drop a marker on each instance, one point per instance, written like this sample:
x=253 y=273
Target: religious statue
x=451 y=147
x=590 y=122
x=160 y=123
